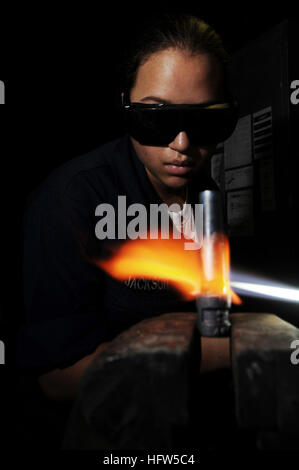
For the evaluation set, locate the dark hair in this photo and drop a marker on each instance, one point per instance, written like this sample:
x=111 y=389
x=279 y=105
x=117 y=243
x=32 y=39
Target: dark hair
x=180 y=31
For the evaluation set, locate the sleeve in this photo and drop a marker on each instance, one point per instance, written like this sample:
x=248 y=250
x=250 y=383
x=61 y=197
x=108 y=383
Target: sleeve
x=63 y=290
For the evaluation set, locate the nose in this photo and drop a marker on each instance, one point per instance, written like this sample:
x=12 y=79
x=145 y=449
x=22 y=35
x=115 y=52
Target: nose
x=181 y=143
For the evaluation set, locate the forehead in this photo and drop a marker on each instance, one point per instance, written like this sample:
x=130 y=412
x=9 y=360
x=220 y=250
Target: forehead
x=178 y=77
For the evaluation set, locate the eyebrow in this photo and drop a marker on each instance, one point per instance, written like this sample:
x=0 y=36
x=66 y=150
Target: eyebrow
x=156 y=98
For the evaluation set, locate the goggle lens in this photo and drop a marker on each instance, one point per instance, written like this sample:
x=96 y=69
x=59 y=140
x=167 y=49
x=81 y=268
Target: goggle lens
x=159 y=124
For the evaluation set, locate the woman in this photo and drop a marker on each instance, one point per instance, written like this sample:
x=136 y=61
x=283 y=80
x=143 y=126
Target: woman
x=74 y=308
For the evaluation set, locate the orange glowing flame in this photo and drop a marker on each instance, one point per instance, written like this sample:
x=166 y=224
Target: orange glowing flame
x=204 y=272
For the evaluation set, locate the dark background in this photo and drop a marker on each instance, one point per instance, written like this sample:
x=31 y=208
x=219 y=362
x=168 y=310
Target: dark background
x=61 y=72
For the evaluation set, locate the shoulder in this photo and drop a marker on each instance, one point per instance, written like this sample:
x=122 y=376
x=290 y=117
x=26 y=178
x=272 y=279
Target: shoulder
x=90 y=174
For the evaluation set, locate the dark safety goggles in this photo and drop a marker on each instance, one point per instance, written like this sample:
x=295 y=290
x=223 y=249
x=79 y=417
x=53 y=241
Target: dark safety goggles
x=159 y=124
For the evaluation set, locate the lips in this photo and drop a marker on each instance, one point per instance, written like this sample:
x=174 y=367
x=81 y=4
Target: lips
x=183 y=163
x=179 y=168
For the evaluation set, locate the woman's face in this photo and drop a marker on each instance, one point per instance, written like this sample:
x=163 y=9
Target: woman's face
x=175 y=76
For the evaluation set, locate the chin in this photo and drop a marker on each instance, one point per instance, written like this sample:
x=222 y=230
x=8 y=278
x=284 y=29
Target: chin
x=176 y=182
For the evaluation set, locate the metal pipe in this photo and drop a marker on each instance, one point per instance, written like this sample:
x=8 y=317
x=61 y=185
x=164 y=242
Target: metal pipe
x=213 y=310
